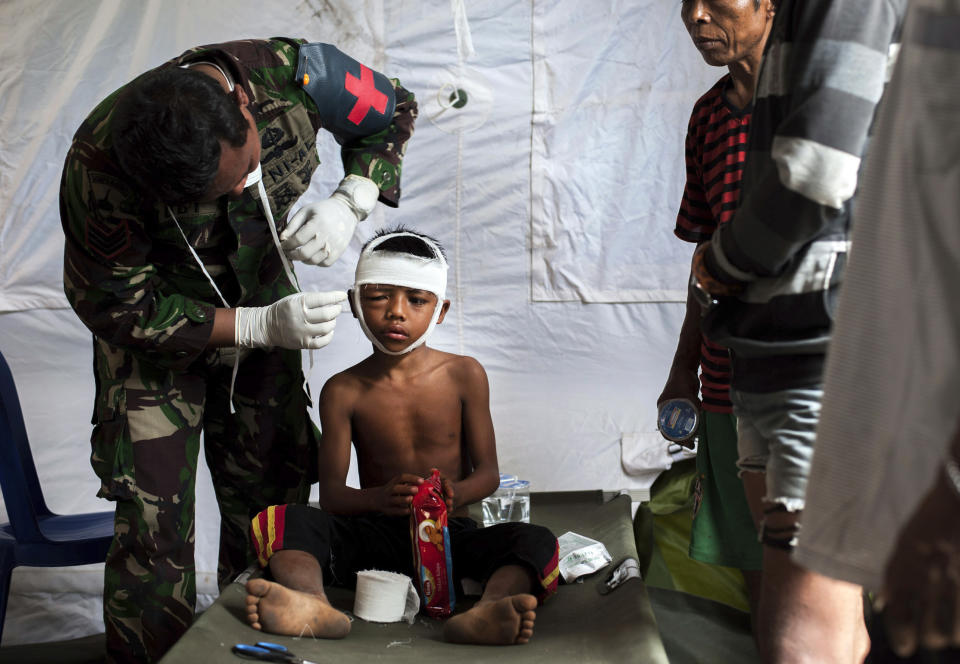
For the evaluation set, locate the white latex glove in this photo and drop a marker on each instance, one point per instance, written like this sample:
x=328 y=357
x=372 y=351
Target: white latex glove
x=301 y=320
x=320 y=232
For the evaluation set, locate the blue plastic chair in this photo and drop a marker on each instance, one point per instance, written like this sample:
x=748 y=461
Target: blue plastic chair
x=35 y=536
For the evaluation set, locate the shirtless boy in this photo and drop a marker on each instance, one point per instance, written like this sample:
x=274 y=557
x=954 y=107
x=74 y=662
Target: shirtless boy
x=407 y=408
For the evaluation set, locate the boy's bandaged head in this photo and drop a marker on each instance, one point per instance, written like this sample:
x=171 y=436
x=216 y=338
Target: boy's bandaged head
x=401 y=268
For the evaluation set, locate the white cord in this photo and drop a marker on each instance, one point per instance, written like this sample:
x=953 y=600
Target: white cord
x=461 y=27
x=286 y=268
x=226 y=305
x=276 y=238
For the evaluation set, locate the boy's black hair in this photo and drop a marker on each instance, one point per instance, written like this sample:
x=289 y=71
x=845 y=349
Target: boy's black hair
x=407 y=244
x=166 y=130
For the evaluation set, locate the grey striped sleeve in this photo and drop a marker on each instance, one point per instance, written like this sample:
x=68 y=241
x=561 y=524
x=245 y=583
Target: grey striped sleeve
x=822 y=76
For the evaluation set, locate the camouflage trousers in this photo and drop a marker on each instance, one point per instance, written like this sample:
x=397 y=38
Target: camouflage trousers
x=146 y=443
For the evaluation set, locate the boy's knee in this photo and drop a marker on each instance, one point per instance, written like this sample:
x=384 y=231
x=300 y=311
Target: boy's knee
x=541 y=534
x=541 y=551
x=279 y=526
x=263 y=532
x=531 y=536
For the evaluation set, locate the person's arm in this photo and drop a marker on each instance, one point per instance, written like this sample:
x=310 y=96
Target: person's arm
x=336 y=408
x=297 y=321
x=801 y=173
x=108 y=276
x=921 y=595
x=480 y=442
x=224 y=333
x=319 y=232
x=682 y=382
x=379 y=157
x=695 y=223
x=120 y=296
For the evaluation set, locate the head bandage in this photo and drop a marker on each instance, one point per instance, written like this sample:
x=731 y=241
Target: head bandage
x=400 y=269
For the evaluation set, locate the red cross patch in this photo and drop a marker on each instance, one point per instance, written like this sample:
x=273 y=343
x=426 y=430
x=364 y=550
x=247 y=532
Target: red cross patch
x=365 y=90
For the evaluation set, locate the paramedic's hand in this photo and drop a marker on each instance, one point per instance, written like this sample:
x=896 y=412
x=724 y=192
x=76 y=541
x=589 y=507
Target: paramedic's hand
x=397 y=494
x=921 y=596
x=301 y=320
x=320 y=232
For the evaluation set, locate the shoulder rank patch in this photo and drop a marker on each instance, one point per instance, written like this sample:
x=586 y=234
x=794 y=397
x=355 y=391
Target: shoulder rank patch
x=107 y=240
x=106 y=230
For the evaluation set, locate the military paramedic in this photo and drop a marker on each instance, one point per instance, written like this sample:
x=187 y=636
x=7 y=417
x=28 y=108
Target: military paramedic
x=174 y=203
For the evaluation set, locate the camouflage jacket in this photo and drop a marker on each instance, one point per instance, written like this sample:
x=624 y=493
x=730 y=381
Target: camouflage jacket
x=128 y=273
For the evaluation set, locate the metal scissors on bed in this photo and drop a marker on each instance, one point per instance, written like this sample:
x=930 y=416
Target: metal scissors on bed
x=268 y=652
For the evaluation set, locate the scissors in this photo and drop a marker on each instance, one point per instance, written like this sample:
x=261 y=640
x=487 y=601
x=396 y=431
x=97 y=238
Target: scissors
x=268 y=652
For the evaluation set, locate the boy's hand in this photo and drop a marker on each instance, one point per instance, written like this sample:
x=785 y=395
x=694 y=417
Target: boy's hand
x=448 y=493
x=397 y=494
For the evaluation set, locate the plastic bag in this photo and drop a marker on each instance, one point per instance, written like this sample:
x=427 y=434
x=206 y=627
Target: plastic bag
x=431 y=548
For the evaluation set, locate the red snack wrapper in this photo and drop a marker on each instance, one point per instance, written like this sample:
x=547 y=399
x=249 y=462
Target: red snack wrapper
x=431 y=548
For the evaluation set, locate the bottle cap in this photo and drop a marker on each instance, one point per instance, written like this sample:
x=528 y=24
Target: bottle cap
x=515 y=485
x=678 y=419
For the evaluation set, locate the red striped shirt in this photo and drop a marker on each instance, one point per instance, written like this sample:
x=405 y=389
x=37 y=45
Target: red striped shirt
x=716 y=148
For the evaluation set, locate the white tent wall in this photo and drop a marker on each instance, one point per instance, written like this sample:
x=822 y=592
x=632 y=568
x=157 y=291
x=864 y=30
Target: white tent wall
x=554 y=190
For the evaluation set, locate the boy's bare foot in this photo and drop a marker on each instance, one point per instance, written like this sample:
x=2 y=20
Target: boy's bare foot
x=280 y=610
x=505 y=621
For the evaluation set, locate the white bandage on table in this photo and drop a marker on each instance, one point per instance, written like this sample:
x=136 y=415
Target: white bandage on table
x=385 y=597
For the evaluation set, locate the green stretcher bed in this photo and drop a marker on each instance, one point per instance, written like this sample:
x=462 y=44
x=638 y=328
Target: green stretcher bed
x=578 y=624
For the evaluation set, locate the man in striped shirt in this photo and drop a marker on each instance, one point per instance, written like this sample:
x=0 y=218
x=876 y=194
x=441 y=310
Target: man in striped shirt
x=732 y=34
x=771 y=276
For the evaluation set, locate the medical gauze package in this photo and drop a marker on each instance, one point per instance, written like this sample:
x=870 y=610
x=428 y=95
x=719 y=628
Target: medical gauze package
x=431 y=548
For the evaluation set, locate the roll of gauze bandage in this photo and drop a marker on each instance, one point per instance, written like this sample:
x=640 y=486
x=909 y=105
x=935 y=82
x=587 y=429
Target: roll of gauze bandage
x=385 y=597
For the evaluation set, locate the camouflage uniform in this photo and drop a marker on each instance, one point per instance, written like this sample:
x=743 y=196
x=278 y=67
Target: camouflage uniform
x=132 y=281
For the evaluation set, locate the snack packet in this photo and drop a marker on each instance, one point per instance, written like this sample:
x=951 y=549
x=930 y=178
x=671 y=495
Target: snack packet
x=431 y=548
